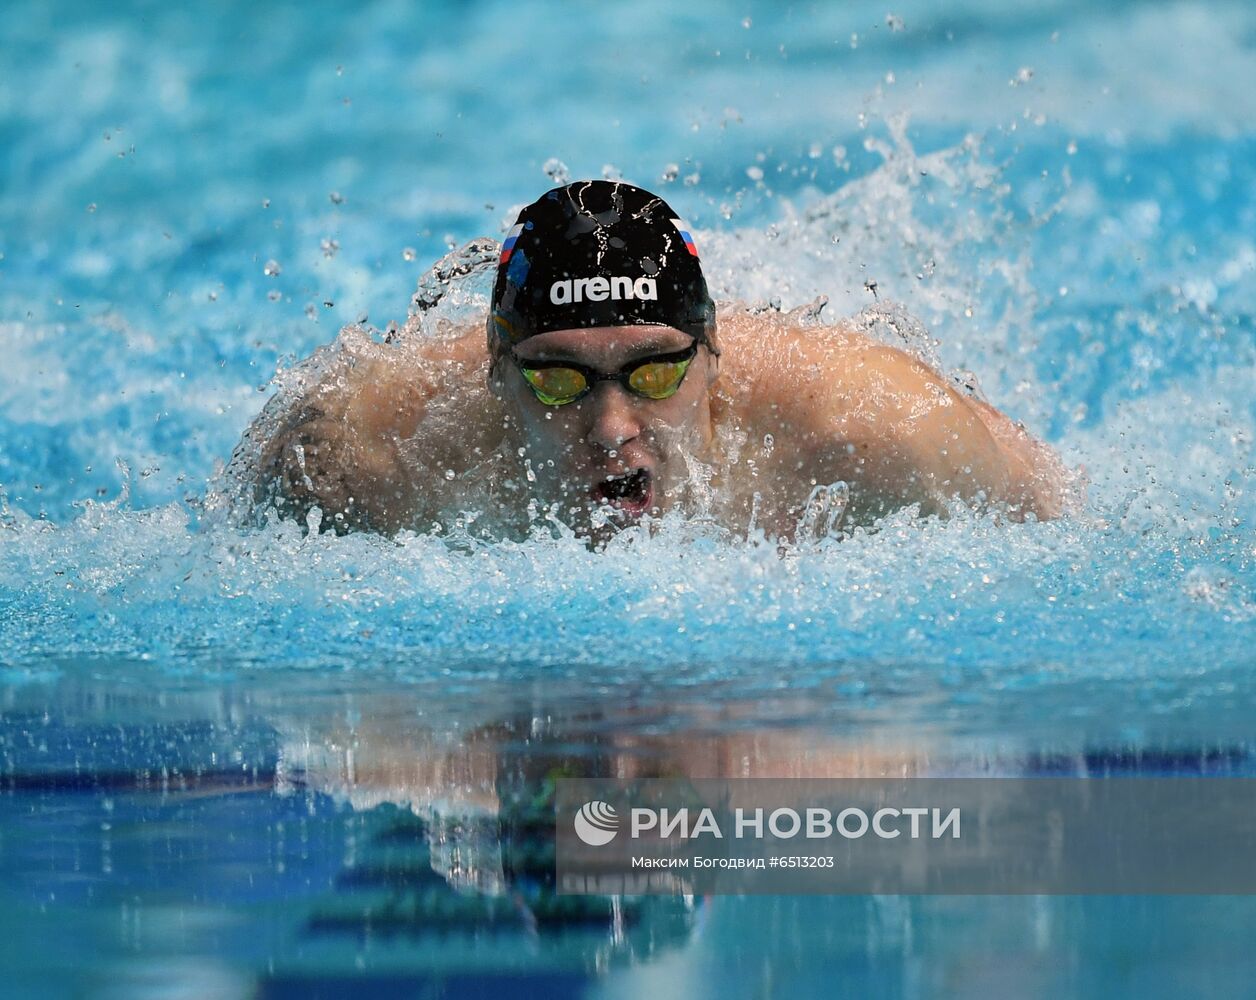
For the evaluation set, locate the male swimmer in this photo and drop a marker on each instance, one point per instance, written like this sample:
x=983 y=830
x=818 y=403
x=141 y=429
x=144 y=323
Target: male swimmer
x=609 y=392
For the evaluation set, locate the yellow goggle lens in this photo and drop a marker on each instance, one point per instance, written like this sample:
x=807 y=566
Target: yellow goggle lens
x=658 y=379
x=555 y=386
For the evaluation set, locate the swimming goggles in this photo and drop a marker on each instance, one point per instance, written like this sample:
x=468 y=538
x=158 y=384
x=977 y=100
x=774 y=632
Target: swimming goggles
x=560 y=383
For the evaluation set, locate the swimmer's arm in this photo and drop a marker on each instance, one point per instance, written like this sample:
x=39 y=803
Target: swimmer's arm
x=1035 y=464
x=342 y=452
x=907 y=435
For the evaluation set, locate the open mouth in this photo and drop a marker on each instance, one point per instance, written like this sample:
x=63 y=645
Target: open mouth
x=631 y=493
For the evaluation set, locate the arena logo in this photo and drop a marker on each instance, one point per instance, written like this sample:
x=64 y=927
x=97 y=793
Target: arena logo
x=600 y=289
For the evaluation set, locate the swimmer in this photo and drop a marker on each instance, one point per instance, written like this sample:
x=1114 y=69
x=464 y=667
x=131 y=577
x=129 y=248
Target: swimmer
x=610 y=391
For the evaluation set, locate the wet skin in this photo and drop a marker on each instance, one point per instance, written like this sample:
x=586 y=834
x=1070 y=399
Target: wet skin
x=412 y=434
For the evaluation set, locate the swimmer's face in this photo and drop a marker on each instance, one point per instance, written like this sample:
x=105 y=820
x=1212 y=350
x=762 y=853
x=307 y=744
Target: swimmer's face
x=611 y=449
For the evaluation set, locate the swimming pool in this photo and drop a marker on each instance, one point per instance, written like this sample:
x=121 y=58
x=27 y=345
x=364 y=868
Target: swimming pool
x=219 y=748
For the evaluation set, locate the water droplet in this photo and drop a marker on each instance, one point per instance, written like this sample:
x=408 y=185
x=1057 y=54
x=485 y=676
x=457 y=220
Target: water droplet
x=409 y=253
x=272 y=269
x=895 y=22
x=746 y=22
x=336 y=198
x=556 y=170
x=274 y=295
x=1071 y=148
x=754 y=173
x=692 y=179
x=449 y=474
x=91 y=207
x=815 y=151
x=311 y=312
x=610 y=172
x=670 y=173
x=1023 y=75
x=265 y=203
x=329 y=247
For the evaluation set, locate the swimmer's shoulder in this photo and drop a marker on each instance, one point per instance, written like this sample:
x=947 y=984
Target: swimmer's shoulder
x=799 y=376
x=854 y=408
x=352 y=443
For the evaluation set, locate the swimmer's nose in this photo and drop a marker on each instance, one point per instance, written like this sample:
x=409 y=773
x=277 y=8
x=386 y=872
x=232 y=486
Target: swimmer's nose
x=613 y=417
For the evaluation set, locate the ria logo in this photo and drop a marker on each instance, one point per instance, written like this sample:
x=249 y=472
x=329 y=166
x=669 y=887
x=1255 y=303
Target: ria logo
x=600 y=289
x=596 y=823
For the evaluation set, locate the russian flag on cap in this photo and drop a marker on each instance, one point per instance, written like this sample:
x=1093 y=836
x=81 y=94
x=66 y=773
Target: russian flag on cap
x=508 y=244
x=683 y=229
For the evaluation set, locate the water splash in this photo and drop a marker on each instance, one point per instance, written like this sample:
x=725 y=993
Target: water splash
x=456 y=288
x=1156 y=572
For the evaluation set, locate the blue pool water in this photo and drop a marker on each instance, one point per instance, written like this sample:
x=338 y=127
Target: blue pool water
x=211 y=737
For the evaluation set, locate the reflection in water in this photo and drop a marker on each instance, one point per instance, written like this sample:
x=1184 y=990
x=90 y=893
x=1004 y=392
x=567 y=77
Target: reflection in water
x=462 y=837
x=355 y=831
x=263 y=836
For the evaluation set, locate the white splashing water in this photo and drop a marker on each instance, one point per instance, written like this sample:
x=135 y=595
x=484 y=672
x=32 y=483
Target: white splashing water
x=1156 y=571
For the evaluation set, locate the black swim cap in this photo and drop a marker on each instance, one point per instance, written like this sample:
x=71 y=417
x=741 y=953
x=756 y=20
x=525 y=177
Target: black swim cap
x=598 y=253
